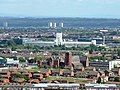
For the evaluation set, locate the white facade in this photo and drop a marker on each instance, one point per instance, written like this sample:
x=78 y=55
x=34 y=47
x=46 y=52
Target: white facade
x=6 y=24
x=50 y=24
x=77 y=43
x=56 y=85
x=58 y=41
x=12 y=61
x=114 y=63
x=62 y=25
x=103 y=30
x=100 y=86
x=55 y=25
x=103 y=40
x=93 y=42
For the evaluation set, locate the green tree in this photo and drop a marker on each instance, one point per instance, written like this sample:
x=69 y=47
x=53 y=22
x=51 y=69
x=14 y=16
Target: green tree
x=26 y=78
x=11 y=43
x=39 y=60
x=22 y=60
x=90 y=51
x=13 y=48
x=81 y=53
x=99 y=80
x=93 y=47
x=116 y=79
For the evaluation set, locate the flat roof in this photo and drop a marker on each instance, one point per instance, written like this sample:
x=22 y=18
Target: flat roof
x=45 y=85
x=101 y=85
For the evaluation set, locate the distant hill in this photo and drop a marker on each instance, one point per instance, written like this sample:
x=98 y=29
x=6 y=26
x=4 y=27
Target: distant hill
x=68 y=22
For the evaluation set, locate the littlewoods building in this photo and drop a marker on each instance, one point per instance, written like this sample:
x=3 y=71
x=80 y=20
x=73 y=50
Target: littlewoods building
x=52 y=86
x=42 y=86
x=58 y=41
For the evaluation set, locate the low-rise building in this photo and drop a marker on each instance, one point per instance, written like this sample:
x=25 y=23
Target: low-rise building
x=101 y=87
x=104 y=65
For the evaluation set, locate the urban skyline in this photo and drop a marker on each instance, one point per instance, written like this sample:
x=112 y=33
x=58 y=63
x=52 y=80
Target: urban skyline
x=59 y=45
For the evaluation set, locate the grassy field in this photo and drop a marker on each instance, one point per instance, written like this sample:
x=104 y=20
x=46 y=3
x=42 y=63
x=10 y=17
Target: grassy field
x=68 y=79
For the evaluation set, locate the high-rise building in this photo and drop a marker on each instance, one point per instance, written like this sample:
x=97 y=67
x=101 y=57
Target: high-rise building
x=5 y=25
x=68 y=58
x=62 y=25
x=55 y=25
x=103 y=40
x=103 y=32
x=51 y=25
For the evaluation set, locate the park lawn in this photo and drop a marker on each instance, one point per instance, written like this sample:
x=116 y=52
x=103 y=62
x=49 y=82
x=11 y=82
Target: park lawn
x=68 y=79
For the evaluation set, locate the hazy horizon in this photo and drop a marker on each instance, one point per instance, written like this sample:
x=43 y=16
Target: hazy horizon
x=60 y=8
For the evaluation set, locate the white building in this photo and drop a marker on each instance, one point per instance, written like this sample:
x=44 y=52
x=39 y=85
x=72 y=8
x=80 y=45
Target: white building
x=61 y=25
x=12 y=61
x=105 y=65
x=51 y=25
x=53 y=86
x=5 y=25
x=57 y=41
x=114 y=63
x=101 y=86
x=104 y=30
x=55 y=25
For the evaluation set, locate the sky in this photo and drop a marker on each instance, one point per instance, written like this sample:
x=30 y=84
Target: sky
x=61 y=8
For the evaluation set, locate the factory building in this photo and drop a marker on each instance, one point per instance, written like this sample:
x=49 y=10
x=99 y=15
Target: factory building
x=58 y=41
